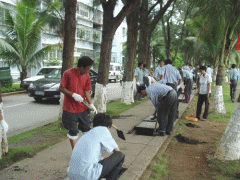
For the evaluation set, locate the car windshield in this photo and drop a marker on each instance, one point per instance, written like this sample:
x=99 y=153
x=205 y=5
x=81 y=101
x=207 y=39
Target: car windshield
x=55 y=74
x=45 y=71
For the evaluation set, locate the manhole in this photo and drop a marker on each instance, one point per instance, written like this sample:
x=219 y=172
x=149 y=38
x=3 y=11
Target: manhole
x=188 y=140
x=192 y=125
x=145 y=128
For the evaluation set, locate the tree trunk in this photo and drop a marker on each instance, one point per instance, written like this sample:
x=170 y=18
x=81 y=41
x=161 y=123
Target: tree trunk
x=23 y=75
x=3 y=137
x=229 y=146
x=68 y=42
x=69 y=34
x=142 y=49
x=218 y=105
x=132 y=34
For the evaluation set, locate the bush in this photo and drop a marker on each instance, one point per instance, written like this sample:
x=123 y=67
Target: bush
x=12 y=88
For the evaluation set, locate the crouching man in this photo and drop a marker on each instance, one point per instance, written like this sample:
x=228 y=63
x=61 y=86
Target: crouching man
x=86 y=162
x=164 y=98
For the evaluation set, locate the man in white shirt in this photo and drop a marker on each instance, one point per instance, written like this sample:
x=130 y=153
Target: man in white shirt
x=86 y=162
x=204 y=93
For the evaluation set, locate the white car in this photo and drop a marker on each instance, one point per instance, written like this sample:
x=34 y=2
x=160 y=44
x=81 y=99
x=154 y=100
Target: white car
x=115 y=72
x=41 y=74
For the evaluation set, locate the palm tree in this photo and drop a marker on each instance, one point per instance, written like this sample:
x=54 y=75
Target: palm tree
x=22 y=37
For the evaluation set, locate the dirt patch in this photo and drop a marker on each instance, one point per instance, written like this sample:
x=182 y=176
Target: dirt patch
x=189 y=155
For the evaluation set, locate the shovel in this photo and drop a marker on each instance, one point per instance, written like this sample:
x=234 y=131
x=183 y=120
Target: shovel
x=119 y=132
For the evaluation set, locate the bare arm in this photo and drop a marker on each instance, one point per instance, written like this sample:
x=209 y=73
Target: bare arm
x=117 y=149
x=179 y=81
x=209 y=88
x=65 y=91
x=88 y=97
x=1 y=117
x=136 y=78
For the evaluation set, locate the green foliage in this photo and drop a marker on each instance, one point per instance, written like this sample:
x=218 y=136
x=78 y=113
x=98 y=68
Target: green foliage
x=95 y=35
x=179 y=61
x=52 y=62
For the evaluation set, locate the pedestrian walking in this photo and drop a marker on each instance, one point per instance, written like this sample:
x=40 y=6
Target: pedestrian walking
x=145 y=75
x=76 y=85
x=164 y=98
x=139 y=79
x=86 y=162
x=159 y=71
x=171 y=75
x=187 y=79
x=233 y=78
x=204 y=93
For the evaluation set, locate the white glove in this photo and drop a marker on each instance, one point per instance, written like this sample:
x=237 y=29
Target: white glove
x=77 y=97
x=94 y=108
x=4 y=126
x=138 y=83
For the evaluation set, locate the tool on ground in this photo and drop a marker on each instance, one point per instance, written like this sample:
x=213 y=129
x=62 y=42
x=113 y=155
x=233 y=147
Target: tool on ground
x=155 y=129
x=87 y=106
x=119 y=132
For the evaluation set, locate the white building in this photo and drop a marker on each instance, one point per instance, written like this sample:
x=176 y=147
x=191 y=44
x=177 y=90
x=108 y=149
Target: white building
x=88 y=36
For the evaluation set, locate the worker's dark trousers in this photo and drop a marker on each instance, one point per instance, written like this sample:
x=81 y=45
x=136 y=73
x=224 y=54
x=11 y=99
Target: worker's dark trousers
x=174 y=86
x=187 y=90
x=233 y=89
x=202 y=98
x=167 y=111
x=179 y=92
x=146 y=81
x=112 y=166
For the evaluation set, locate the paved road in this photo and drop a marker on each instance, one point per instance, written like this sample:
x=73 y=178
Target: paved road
x=23 y=112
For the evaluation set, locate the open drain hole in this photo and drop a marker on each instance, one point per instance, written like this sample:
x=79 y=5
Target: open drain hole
x=121 y=116
x=192 y=125
x=188 y=140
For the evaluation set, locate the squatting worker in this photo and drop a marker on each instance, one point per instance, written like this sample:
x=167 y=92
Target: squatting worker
x=86 y=162
x=164 y=98
x=233 y=78
x=187 y=78
x=158 y=73
x=204 y=93
x=76 y=86
x=171 y=75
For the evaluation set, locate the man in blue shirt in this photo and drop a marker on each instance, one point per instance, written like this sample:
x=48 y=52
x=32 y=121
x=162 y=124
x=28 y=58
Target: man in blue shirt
x=145 y=75
x=139 y=78
x=233 y=78
x=159 y=71
x=164 y=98
x=86 y=162
x=171 y=75
x=187 y=78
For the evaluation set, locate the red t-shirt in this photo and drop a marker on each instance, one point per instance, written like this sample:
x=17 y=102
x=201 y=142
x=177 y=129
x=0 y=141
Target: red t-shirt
x=78 y=84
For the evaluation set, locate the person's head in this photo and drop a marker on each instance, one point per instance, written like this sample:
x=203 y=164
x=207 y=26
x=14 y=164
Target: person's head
x=202 y=69
x=168 y=61
x=234 y=66
x=186 y=64
x=180 y=70
x=84 y=64
x=197 y=66
x=144 y=66
x=161 y=62
x=190 y=65
x=140 y=65
x=102 y=119
x=142 y=90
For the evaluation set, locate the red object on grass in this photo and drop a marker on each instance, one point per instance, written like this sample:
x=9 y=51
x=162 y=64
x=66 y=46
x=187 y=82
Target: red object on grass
x=192 y=116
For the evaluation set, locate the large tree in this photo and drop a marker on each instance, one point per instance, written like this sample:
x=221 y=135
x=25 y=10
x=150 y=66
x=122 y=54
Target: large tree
x=110 y=25
x=21 y=44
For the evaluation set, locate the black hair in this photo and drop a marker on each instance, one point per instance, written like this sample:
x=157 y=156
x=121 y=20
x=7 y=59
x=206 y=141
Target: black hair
x=161 y=60
x=203 y=68
x=168 y=61
x=140 y=88
x=186 y=64
x=233 y=65
x=85 y=61
x=190 y=64
x=139 y=64
x=144 y=65
x=102 y=119
x=179 y=69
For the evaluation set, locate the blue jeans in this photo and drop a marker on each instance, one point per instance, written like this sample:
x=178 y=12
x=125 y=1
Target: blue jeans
x=233 y=89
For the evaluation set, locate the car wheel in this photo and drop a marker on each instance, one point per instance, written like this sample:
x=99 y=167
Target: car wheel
x=115 y=80
x=38 y=99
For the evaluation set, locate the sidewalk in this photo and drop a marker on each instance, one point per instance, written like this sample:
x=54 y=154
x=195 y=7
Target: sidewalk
x=139 y=150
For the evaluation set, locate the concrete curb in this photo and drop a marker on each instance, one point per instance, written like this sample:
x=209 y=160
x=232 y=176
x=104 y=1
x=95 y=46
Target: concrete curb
x=13 y=93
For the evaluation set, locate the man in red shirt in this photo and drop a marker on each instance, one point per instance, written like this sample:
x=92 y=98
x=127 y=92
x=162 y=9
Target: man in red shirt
x=76 y=86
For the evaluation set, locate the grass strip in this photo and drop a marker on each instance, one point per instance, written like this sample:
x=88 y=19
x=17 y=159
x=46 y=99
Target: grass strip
x=46 y=132
x=13 y=88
